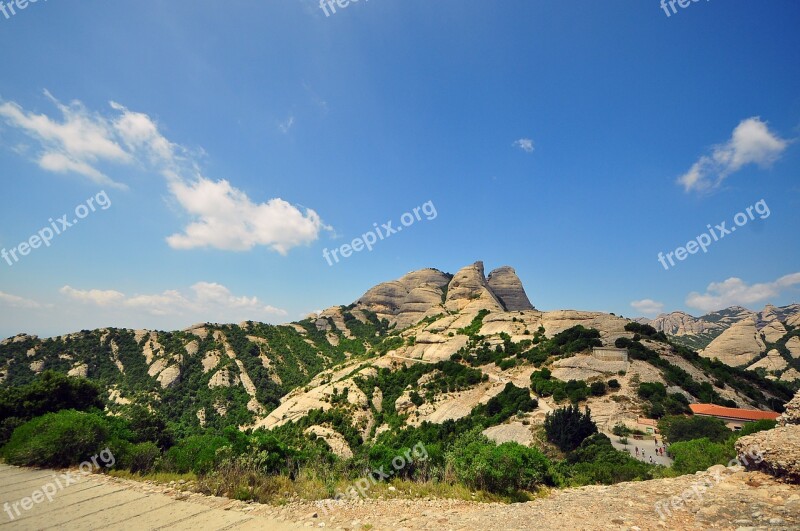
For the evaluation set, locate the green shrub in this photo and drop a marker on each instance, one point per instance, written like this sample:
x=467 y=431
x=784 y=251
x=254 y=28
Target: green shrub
x=613 y=384
x=568 y=427
x=194 y=454
x=481 y=464
x=679 y=428
x=754 y=427
x=141 y=458
x=699 y=454
x=598 y=388
x=596 y=461
x=58 y=440
x=49 y=393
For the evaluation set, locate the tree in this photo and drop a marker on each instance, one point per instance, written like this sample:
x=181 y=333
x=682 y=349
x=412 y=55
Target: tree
x=568 y=427
x=598 y=388
x=680 y=428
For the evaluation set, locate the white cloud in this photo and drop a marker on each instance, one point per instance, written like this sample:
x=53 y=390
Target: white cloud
x=751 y=143
x=525 y=144
x=75 y=144
x=205 y=300
x=222 y=216
x=736 y=292
x=648 y=306
x=227 y=219
x=15 y=301
x=95 y=296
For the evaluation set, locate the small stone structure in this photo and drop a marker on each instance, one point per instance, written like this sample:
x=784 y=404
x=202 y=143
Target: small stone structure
x=610 y=354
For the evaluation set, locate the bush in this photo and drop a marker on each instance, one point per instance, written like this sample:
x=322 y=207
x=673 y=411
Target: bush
x=621 y=430
x=145 y=425
x=754 y=427
x=194 y=454
x=699 y=454
x=49 y=393
x=568 y=427
x=613 y=384
x=57 y=440
x=596 y=461
x=141 y=458
x=679 y=428
x=598 y=388
x=481 y=464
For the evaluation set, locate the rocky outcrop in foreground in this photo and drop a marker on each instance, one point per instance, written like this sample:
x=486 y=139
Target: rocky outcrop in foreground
x=779 y=447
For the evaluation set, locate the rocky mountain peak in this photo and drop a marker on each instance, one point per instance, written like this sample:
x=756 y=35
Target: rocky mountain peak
x=507 y=286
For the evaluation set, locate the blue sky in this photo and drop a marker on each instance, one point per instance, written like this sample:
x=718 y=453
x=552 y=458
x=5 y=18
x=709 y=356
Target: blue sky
x=236 y=141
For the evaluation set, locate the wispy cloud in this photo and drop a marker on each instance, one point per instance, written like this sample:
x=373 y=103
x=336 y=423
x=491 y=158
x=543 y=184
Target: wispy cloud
x=220 y=215
x=736 y=292
x=15 y=301
x=203 y=300
x=287 y=125
x=525 y=144
x=648 y=306
x=76 y=143
x=751 y=143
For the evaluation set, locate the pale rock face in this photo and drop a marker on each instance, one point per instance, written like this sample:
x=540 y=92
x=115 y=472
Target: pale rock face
x=792 y=375
x=737 y=345
x=81 y=370
x=334 y=439
x=792 y=413
x=407 y=300
x=772 y=362
x=470 y=289
x=37 y=366
x=511 y=432
x=158 y=366
x=223 y=378
x=507 y=286
x=773 y=331
x=794 y=347
x=211 y=360
x=584 y=367
x=199 y=330
x=192 y=347
x=169 y=376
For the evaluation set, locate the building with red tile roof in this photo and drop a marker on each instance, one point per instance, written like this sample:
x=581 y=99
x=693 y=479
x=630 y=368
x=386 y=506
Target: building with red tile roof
x=735 y=418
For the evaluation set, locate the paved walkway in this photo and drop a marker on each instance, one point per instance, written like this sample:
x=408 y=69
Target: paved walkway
x=46 y=499
x=646 y=445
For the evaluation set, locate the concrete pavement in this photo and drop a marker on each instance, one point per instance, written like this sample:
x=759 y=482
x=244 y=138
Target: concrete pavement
x=648 y=446
x=47 y=499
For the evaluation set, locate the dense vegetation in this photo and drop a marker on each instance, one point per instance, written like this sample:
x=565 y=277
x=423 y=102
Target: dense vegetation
x=53 y=420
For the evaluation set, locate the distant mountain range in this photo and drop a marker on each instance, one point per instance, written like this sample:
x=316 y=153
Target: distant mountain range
x=768 y=340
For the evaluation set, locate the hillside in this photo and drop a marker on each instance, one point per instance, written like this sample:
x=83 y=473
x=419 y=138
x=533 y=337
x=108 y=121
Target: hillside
x=767 y=341
x=427 y=348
